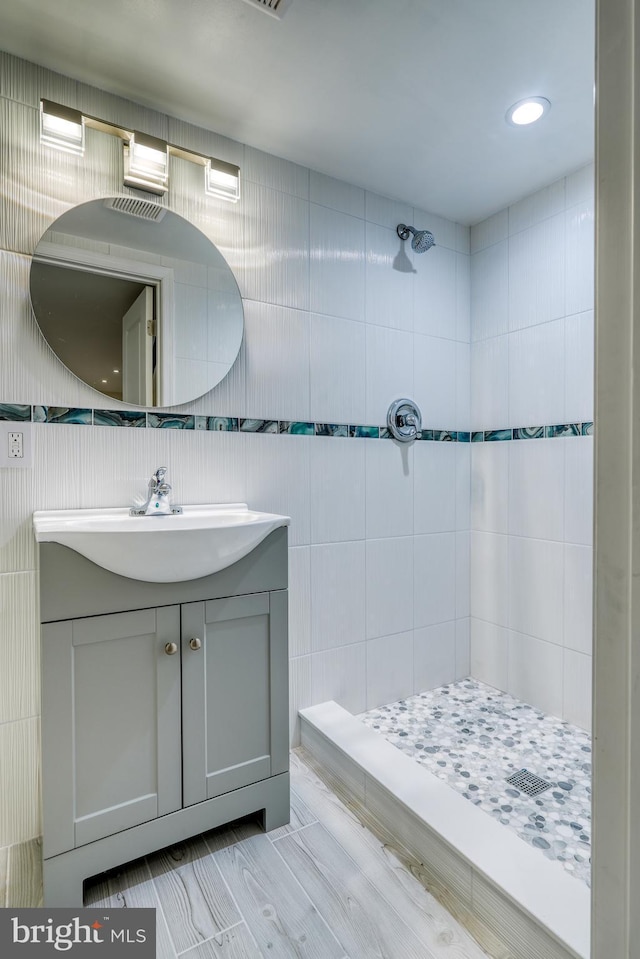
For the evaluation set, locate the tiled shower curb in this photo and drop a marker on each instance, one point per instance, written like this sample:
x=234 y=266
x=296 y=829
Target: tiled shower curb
x=141 y=419
x=497 y=882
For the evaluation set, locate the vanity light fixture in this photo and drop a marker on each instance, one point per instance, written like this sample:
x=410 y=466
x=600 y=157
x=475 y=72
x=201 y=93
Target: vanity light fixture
x=222 y=179
x=527 y=111
x=146 y=163
x=146 y=158
x=61 y=127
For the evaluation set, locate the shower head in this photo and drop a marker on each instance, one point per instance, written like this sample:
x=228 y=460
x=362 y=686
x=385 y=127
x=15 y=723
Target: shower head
x=422 y=239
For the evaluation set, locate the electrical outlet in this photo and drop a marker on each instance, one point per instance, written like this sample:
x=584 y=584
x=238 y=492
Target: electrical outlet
x=15 y=445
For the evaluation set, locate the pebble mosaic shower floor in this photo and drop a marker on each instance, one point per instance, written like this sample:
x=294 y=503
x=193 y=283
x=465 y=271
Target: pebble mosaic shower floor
x=473 y=736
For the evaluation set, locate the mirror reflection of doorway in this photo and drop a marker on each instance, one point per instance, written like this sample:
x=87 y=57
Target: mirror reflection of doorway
x=84 y=322
x=138 y=340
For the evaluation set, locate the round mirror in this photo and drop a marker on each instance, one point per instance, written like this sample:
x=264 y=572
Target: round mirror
x=136 y=301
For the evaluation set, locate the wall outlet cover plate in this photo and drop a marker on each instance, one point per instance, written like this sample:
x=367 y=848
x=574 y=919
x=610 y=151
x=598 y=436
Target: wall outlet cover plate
x=15 y=437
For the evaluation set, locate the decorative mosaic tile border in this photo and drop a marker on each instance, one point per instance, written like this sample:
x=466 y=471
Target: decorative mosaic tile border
x=20 y=412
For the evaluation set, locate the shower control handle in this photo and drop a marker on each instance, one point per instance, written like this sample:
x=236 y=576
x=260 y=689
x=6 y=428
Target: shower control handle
x=195 y=643
x=404 y=420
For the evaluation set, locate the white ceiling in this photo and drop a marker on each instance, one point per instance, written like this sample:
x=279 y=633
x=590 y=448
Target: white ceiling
x=404 y=97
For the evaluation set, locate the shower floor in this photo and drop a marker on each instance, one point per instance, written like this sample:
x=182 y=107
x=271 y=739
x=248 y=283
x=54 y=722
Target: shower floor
x=473 y=736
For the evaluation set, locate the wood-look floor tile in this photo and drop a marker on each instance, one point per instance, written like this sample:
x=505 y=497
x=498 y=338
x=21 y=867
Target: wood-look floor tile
x=388 y=866
x=281 y=918
x=347 y=900
x=131 y=888
x=196 y=903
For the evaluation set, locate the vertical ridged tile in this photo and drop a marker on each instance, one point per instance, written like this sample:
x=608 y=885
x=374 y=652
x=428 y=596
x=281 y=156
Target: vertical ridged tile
x=463 y=648
x=434 y=656
x=389 y=291
x=537 y=206
x=389 y=568
x=19 y=775
x=340 y=674
x=299 y=601
x=434 y=589
x=337 y=370
x=435 y=294
x=336 y=194
x=278 y=480
x=28 y=82
x=337 y=263
x=277 y=361
x=338 y=511
x=389 y=668
x=300 y=694
x=489 y=231
x=17 y=502
x=390 y=358
x=337 y=595
x=20 y=647
x=389 y=489
x=4 y=863
x=275 y=172
x=489 y=657
x=276 y=261
x=387 y=212
x=537 y=295
x=490 y=291
x=24 y=890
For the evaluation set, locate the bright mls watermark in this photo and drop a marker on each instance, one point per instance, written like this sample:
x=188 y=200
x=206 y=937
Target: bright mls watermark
x=111 y=933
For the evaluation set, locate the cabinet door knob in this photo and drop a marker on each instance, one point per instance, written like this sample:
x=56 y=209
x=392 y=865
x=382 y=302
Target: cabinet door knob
x=195 y=643
x=171 y=648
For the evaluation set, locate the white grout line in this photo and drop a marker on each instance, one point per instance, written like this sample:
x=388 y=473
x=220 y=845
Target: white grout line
x=293 y=832
x=220 y=932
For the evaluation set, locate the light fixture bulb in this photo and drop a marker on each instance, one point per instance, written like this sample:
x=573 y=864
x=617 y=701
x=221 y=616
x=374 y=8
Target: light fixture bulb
x=527 y=111
x=222 y=180
x=61 y=128
x=146 y=163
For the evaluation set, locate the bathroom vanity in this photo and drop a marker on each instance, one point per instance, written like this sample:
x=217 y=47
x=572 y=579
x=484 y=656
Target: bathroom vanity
x=164 y=707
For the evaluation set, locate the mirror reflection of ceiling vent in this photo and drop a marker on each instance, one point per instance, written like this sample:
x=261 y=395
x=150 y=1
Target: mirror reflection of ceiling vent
x=275 y=8
x=143 y=209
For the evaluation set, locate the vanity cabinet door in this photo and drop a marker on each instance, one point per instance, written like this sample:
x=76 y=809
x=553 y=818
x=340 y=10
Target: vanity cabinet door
x=110 y=724
x=235 y=712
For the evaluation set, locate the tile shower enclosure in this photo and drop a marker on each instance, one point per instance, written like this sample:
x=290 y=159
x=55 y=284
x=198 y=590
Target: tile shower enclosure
x=409 y=567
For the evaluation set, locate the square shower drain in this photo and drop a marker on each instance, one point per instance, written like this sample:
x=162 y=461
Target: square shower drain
x=528 y=783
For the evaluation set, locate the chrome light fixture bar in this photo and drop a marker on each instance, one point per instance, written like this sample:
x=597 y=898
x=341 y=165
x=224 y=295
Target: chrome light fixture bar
x=146 y=158
x=61 y=127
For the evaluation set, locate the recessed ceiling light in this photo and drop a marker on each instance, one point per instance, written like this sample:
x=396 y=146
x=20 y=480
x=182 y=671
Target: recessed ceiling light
x=527 y=111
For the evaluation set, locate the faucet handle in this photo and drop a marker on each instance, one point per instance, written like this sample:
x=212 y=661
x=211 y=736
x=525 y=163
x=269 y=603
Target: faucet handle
x=159 y=475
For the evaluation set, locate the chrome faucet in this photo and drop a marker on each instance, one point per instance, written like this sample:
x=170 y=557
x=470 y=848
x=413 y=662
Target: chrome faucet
x=159 y=499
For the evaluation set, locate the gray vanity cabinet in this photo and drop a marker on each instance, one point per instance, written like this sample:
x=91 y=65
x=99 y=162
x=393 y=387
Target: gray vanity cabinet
x=111 y=699
x=164 y=709
x=234 y=728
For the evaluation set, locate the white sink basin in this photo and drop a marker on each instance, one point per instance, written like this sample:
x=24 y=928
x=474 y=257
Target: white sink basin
x=159 y=549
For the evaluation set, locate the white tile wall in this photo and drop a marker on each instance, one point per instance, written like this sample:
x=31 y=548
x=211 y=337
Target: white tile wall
x=434 y=656
x=532 y=500
x=389 y=668
x=337 y=595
